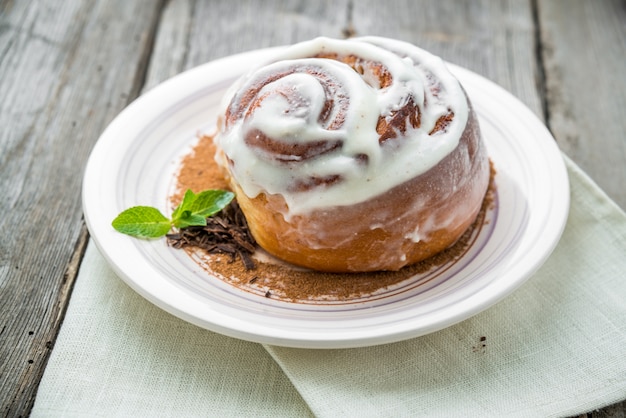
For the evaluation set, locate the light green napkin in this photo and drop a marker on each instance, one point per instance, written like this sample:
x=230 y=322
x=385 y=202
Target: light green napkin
x=555 y=347
x=119 y=355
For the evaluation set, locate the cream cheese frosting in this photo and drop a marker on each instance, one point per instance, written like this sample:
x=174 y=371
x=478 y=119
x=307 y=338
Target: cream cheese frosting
x=294 y=111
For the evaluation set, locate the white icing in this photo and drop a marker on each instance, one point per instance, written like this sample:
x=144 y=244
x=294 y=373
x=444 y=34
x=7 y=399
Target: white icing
x=388 y=165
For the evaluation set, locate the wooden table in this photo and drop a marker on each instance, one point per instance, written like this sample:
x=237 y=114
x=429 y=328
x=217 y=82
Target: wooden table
x=68 y=68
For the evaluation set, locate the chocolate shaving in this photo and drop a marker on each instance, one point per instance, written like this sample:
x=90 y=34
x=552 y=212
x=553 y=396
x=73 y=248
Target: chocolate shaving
x=226 y=232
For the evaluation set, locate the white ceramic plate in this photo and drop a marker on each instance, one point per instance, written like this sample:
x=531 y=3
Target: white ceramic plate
x=135 y=160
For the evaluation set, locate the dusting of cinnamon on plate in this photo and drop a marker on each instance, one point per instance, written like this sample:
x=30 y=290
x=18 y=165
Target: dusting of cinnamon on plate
x=272 y=278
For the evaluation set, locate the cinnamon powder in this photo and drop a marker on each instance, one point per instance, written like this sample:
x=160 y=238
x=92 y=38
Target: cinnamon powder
x=274 y=279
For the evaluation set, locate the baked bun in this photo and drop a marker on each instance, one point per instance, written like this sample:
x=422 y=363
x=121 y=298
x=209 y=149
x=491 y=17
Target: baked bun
x=353 y=155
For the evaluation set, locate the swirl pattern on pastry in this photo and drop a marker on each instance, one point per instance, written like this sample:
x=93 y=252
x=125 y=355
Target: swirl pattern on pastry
x=336 y=122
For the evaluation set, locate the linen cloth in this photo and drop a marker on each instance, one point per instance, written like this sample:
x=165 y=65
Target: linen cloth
x=555 y=347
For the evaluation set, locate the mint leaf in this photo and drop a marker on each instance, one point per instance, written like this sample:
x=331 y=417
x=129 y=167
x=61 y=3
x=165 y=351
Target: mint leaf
x=182 y=210
x=142 y=221
x=194 y=209
x=191 y=220
x=148 y=222
x=209 y=202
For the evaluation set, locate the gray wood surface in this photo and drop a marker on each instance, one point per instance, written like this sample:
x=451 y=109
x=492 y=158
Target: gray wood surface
x=584 y=53
x=67 y=68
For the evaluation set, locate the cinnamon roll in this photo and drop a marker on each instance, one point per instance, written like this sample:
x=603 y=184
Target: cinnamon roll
x=353 y=155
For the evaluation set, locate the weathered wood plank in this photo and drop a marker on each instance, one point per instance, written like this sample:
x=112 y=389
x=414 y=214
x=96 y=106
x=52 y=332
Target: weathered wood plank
x=66 y=69
x=171 y=44
x=584 y=52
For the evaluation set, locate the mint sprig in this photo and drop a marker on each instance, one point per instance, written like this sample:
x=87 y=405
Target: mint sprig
x=142 y=221
x=149 y=222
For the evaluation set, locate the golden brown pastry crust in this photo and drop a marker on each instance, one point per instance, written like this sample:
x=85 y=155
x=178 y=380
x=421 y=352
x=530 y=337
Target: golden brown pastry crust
x=406 y=224
x=339 y=240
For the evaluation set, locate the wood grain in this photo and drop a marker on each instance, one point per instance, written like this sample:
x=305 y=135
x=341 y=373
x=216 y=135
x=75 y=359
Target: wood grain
x=584 y=51
x=66 y=69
